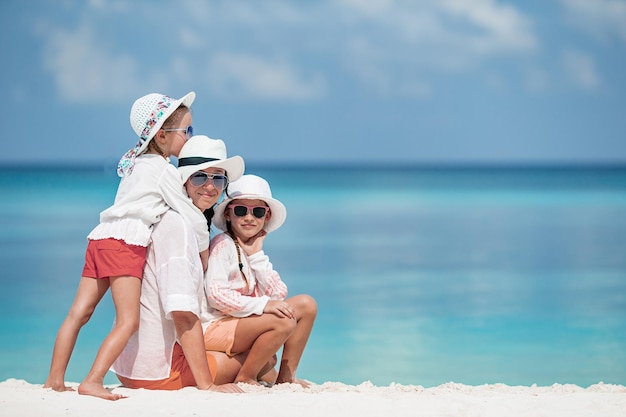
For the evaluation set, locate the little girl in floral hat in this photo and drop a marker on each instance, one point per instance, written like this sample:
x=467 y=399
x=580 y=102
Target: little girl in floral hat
x=116 y=250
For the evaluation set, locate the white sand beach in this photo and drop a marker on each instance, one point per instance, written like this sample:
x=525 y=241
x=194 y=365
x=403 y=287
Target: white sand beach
x=20 y=398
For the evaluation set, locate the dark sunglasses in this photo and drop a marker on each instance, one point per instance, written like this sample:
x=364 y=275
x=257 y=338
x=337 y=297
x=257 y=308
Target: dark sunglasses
x=188 y=131
x=241 y=210
x=199 y=178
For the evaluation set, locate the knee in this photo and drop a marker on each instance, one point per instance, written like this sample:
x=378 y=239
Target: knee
x=129 y=324
x=308 y=306
x=286 y=326
x=80 y=316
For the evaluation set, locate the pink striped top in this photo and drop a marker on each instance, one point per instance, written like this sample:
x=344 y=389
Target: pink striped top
x=228 y=293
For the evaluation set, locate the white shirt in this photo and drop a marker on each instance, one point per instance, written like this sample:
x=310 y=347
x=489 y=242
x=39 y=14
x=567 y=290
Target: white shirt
x=172 y=281
x=142 y=197
x=228 y=293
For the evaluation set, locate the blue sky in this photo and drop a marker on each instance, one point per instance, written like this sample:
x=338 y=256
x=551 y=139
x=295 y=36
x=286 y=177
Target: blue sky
x=370 y=81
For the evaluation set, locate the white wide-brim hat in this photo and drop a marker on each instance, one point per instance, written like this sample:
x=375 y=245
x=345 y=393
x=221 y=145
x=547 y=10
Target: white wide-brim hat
x=254 y=188
x=149 y=112
x=201 y=152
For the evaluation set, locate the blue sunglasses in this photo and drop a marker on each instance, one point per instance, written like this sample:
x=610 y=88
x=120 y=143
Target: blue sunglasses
x=188 y=131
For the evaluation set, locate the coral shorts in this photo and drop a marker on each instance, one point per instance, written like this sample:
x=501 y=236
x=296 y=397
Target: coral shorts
x=220 y=335
x=180 y=373
x=107 y=258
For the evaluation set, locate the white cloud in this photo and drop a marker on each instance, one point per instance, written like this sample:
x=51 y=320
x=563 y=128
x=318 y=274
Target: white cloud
x=492 y=27
x=580 y=69
x=281 y=50
x=239 y=76
x=603 y=19
x=393 y=44
x=191 y=39
x=84 y=70
x=89 y=67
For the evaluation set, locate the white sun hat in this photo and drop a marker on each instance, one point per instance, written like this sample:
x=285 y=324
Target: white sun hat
x=201 y=152
x=254 y=188
x=147 y=115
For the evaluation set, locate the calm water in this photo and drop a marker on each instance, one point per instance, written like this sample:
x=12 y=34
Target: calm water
x=422 y=276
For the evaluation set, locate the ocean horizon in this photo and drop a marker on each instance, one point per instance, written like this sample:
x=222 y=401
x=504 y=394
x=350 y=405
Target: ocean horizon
x=423 y=274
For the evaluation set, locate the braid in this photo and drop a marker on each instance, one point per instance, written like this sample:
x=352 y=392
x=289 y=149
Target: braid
x=154 y=147
x=230 y=233
x=208 y=214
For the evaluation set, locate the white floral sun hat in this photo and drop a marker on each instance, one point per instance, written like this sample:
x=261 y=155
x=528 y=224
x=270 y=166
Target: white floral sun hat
x=147 y=116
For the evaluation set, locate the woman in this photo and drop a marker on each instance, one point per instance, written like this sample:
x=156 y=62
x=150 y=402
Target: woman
x=172 y=291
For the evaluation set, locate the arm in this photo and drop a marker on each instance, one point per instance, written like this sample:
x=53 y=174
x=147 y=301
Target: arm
x=268 y=280
x=178 y=285
x=189 y=332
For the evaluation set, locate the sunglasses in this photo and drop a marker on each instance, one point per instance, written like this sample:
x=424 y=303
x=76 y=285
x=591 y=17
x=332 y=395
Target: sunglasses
x=199 y=178
x=188 y=131
x=241 y=210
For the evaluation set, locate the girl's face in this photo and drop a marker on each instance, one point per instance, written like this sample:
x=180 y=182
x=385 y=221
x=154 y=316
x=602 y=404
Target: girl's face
x=206 y=195
x=247 y=225
x=177 y=138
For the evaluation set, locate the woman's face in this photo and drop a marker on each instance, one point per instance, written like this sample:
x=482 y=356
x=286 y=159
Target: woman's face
x=206 y=195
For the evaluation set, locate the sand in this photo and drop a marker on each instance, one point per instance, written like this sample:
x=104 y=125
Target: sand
x=20 y=398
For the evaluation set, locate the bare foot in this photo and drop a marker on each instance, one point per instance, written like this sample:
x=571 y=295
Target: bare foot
x=229 y=388
x=247 y=381
x=58 y=386
x=97 y=390
x=301 y=382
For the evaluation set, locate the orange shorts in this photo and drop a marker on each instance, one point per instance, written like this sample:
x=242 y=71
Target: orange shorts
x=180 y=373
x=107 y=258
x=220 y=335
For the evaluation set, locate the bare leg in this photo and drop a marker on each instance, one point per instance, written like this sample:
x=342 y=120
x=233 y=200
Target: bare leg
x=268 y=379
x=90 y=292
x=225 y=368
x=306 y=311
x=125 y=291
x=268 y=374
x=261 y=336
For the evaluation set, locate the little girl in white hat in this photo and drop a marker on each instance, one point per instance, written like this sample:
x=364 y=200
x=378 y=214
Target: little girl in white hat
x=249 y=310
x=116 y=251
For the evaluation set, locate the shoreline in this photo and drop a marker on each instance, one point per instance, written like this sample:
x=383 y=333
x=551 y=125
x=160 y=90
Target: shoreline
x=20 y=398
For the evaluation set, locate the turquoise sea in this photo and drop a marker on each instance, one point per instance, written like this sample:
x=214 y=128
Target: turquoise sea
x=423 y=275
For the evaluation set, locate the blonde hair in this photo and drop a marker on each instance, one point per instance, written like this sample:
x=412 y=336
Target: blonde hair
x=174 y=119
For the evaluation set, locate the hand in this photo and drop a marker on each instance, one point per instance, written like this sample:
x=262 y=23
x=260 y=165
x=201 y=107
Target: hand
x=253 y=244
x=281 y=308
x=227 y=388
